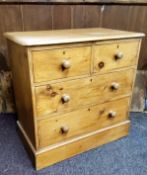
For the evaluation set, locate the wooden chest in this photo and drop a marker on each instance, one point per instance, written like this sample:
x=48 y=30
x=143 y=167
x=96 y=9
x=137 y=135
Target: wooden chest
x=72 y=89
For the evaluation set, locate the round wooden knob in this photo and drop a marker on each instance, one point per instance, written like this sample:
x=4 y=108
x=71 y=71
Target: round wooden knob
x=101 y=64
x=64 y=129
x=112 y=114
x=119 y=55
x=115 y=86
x=65 y=98
x=66 y=64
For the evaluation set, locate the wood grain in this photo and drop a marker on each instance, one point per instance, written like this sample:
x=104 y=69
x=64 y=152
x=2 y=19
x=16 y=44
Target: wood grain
x=4 y=65
x=64 y=21
x=10 y=20
x=47 y=64
x=55 y=154
x=48 y=37
x=93 y=15
x=22 y=86
x=56 y=127
x=88 y=92
x=137 y=23
x=81 y=121
x=78 y=16
x=116 y=17
x=37 y=17
x=76 y=1
x=106 y=61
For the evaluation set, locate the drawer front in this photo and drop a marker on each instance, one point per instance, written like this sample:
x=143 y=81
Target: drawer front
x=59 y=63
x=73 y=94
x=115 y=54
x=66 y=150
x=62 y=127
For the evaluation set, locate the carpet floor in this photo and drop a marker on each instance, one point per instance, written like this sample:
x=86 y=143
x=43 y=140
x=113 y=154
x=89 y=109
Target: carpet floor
x=127 y=156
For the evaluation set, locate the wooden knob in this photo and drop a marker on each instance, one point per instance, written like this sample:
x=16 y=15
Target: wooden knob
x=65 y=98
x=66 y=64
x=112 y=114
x=119 y=55
x=64 y=129
x=101 y=64
x=115 y=86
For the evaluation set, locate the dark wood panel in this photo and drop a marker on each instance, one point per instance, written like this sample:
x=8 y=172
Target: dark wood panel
x=116 y=17
x=77 y=1
x=142 y=65
x=93 y=15
x=11 y=16
x=137 y=18
x=10 y=20
x=61 y=17
x=2 y=30
x=86 y=16
x=137 y=22
x=78 y=16
x=37 y=17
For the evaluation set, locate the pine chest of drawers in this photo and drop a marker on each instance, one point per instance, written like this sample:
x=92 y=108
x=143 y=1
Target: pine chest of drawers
x=72 y=89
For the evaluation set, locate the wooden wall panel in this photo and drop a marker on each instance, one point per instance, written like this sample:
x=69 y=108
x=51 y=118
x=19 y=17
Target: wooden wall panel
x=137 y=22
x=137 y=18
x=10 y=20
x=37 y=17
x=3 y=65
x=78 y=16
x=93 y=15
x=116 y=17
x=61 y=17
x=77 y=1
x=86 y=16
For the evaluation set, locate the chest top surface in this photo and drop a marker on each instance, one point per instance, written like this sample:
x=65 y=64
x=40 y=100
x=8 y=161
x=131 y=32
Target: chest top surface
x=51 y=37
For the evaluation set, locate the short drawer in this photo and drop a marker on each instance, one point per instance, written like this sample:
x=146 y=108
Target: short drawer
x=70 y=95
x=116 y=54
x=62 y=127
x=52 y=64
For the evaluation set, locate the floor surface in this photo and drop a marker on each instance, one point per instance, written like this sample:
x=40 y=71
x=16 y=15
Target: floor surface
x=127 y=156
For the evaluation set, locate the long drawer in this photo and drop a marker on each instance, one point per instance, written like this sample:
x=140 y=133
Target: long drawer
x=115 y=54
x=71 y=148
x=51 y=64
x=70 y=95
x=62 y=127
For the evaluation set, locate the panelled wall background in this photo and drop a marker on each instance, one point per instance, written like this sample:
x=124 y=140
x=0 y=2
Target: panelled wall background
x=25 y=17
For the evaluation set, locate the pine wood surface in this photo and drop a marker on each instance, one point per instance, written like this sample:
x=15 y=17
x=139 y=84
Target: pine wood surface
x=81 y=121
x=83 y=92
x=67 y=36
x=48 y=123
x=22 y=88
x=105 y=53
x=54 y=154
x=47 y=64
